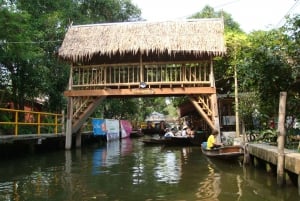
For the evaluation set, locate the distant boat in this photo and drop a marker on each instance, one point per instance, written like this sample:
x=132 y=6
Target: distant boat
x=226 y=152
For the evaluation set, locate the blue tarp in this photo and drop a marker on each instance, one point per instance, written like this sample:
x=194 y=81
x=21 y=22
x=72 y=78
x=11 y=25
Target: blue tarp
x=99 y=127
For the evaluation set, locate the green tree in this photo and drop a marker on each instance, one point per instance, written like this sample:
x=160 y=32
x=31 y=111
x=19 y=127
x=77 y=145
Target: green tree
x=16 y=52
x=222 y=65
x=263 y=63
x=266 y=69
x=292 y=45
x=32 y=33
x=107 y=11
x=209 y=12
x=119 y=108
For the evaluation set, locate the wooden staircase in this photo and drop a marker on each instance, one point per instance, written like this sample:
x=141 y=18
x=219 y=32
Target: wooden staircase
x=83 y=107
x=203 y=104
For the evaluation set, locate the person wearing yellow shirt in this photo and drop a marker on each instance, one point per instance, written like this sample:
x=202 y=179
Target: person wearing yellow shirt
x=212 y=141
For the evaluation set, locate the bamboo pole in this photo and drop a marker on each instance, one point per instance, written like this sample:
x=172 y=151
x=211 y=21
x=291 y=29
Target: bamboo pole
x=281 y=136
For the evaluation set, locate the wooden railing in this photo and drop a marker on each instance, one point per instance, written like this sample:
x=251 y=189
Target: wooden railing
x=51 y=122
x=158 y=74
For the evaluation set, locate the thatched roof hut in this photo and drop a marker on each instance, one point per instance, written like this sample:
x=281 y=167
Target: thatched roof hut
x=155 y=41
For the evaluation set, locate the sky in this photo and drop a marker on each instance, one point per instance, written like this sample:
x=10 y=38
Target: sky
x=250 y=14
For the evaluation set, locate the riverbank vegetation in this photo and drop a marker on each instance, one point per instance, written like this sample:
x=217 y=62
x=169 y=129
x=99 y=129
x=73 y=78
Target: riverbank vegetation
x=266 y=62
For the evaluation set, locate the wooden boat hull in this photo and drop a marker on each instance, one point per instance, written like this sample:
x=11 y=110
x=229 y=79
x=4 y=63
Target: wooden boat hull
x=169 y=141
x=136 y=133
x=227 y=152
x=153 y=141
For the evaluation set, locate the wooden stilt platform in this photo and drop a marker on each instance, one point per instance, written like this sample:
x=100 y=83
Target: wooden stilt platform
x=269 y=154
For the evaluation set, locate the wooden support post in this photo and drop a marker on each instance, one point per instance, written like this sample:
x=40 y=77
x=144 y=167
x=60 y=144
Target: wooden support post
x=141 y=68
x=247 y=157
x=281 y=136
x=214 y=102
x=259 y=163
x=298 y=184
x=215 y=114
x=68 y=143
x=78 y=139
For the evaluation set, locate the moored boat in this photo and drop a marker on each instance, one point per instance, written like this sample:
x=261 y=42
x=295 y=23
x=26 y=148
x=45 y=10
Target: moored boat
x=169 y=141
x=154 y=141
x=136 y=133
x=226 y=152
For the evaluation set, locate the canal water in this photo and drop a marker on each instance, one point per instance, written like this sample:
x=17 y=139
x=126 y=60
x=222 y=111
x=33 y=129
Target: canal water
x=128 y=170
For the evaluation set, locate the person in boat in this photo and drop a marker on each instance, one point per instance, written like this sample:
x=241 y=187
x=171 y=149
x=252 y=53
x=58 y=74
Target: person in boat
x=212 y=141
x=162 y=128
x=190 y=132
x=183 y=132
x=169 y=133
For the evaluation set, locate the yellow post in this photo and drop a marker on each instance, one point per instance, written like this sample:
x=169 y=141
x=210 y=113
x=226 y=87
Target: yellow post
x=39 y=123
x=16 y=123
x=56 y=124
x=62 y=122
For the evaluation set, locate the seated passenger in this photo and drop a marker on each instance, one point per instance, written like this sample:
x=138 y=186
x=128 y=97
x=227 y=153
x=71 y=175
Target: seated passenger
x=183 y=132
x=212 y=141
x=169 y=133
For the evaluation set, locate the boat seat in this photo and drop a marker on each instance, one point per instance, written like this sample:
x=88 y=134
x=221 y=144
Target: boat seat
x=204 y=145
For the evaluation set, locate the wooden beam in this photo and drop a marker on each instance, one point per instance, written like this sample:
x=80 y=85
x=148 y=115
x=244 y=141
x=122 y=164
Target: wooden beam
x=141 y=92
x=202 y=113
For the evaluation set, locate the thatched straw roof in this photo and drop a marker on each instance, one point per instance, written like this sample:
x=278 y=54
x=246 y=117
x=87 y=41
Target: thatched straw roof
x=204 y=37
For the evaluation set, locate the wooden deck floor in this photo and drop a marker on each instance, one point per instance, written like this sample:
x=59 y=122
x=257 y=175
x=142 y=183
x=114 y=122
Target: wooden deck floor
x=13 y=138
x=269 y=154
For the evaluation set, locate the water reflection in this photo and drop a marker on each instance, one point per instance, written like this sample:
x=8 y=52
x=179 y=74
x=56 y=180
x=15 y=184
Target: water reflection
x=168 y=168
x=128 y=170
x=209 y=189
x=110 y=154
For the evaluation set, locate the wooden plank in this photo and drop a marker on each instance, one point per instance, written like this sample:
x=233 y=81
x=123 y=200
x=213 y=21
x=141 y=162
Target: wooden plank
x=141 y=92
